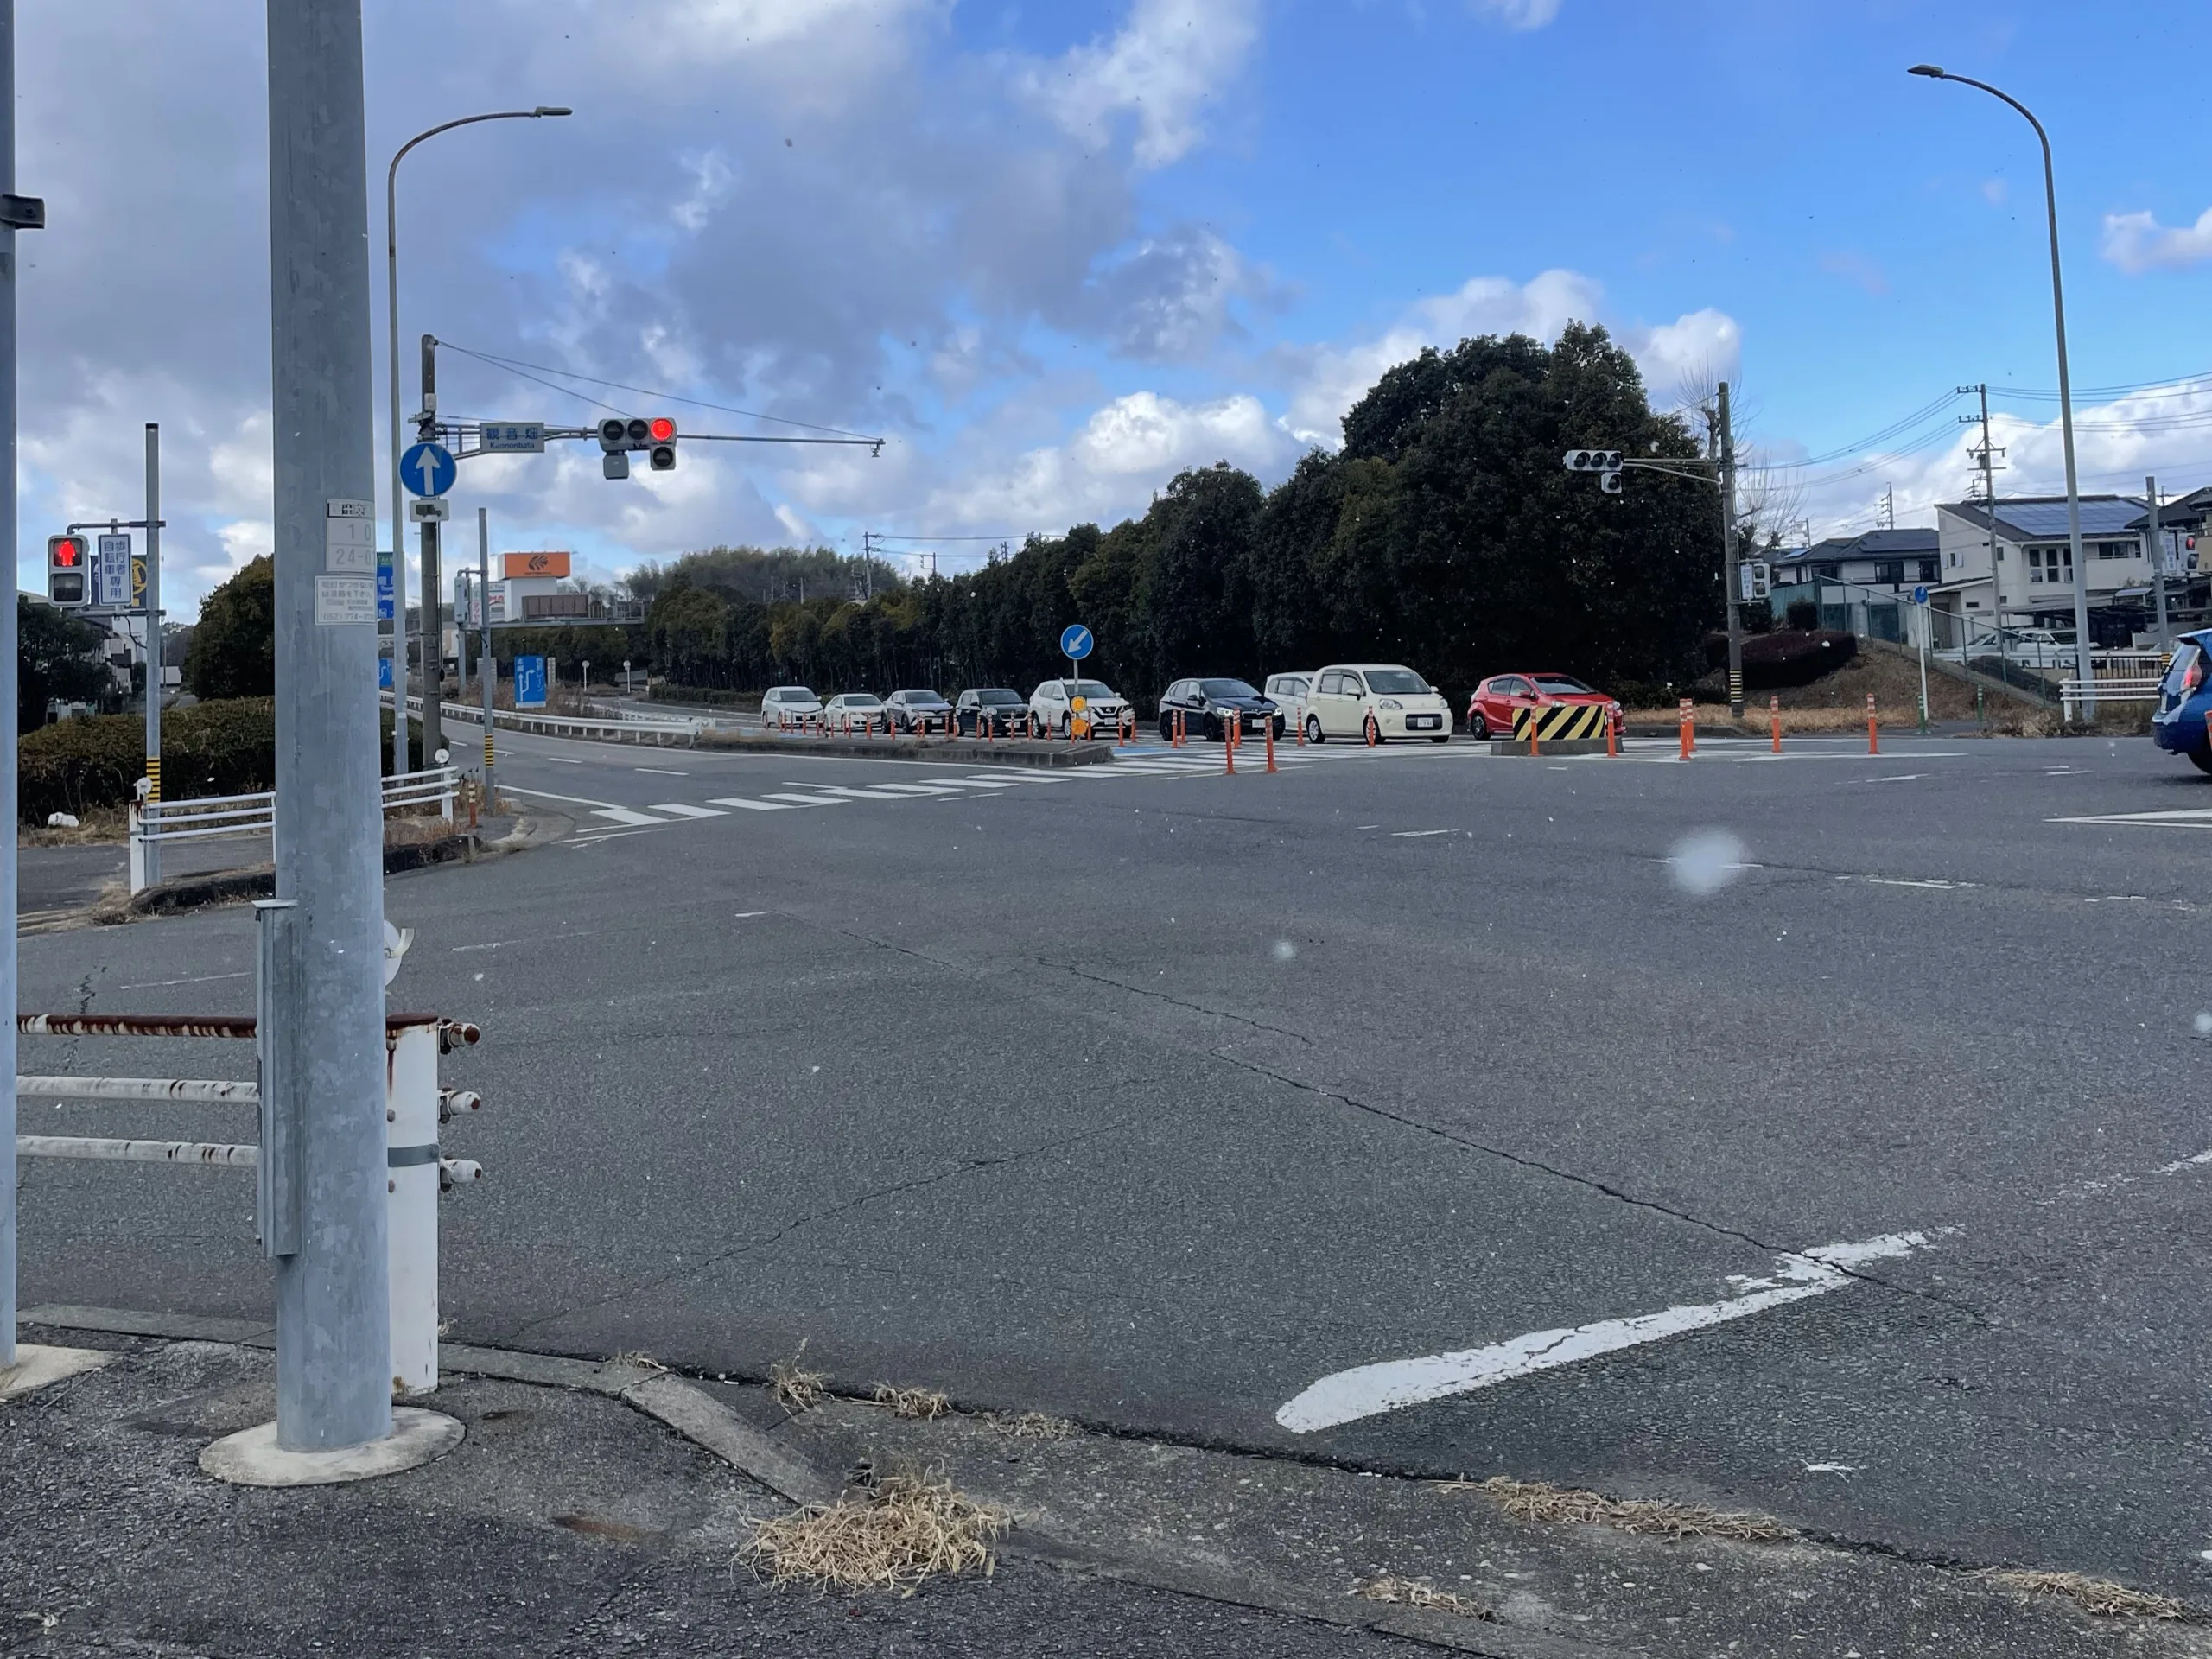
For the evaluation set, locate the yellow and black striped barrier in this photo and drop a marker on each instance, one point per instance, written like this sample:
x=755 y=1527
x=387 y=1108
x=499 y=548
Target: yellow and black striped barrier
x=1562 y=722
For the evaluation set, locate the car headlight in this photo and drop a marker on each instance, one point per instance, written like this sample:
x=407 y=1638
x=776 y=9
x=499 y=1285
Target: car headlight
x=1389 y=703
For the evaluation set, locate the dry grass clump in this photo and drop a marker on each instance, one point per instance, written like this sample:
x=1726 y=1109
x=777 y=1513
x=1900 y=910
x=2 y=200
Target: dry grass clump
x=2094 y=1595
x=1031 y=1426
x=639 y=1357
x=923 y=1403
x=796 y=1389
x=905 y=1529
x=1419 y=1592
x=1541 y=1501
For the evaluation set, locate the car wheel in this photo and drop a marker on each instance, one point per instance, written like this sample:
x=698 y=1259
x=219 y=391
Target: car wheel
x=1280 y=727
x=2202 y=759
x=1313 y=729
x=1067 y=726
x=1036 y=726
x=1477 y=728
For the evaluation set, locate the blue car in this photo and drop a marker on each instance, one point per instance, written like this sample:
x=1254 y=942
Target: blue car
x=2184 y=700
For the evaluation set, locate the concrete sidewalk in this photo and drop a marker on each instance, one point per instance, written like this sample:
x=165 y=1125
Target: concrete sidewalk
x=569 y=1523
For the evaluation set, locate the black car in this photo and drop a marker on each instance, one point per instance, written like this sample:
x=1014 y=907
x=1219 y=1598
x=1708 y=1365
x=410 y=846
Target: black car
x=918 y=711
x=990 y=711
x=1209 y=707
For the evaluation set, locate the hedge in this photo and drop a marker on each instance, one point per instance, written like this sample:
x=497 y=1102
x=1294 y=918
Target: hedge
x=1787 y=657
x=226 y=748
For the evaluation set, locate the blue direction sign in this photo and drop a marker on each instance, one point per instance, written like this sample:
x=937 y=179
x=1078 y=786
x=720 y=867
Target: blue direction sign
x=428 y=470
x=529 y=682
x=1076 y=642
x=384 y=587
x=1920 y=595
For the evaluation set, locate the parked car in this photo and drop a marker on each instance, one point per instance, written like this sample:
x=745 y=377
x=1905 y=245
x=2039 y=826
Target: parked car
x=1050 y=706
x=863 y=709
x=918 y=711
x=782 y=705
x=990 y=711
x=1491 y=710
x=1348 y=696
x=2184 y=699
x=1210 y=707
x=1288 y=692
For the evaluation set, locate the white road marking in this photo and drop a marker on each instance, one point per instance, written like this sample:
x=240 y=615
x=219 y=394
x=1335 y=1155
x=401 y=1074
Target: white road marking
x=683 y=811
x=624 y=814
x=744 y=805
x=1415 y=835
x=1899 y=881
x=877 y=792
x=1393 y=1384
x=987 y=783
x=197 y=979
x=1902 y=777
x=560 y=759
x=1831 y=1468
x=806 y=800
x=541 y=794
x=2188 y=818
x=747 y=915
x=662 y=771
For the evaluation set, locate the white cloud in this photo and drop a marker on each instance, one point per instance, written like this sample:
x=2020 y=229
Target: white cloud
x=1170 y=60
x=2137 y=243
x=1519 y=14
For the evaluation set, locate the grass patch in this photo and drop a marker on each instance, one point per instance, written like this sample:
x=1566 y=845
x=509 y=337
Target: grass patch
x=1418 y=1592
x=2099 y=1596
x=1031 y=1426
x=642 y=1360
x=906 y=1528
x=796 y=1389
x=1539 y=1501
x=922 y=1403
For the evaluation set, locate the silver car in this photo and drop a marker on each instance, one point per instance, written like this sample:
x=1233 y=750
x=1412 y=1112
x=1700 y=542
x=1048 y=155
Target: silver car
x=1052 y=706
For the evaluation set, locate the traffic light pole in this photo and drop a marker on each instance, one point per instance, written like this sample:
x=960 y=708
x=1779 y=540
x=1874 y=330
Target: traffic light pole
x=433 y=647
x=153 y=847
x=485 y=665
x=1730 y=572
x=324 y=1023
x=8 y=806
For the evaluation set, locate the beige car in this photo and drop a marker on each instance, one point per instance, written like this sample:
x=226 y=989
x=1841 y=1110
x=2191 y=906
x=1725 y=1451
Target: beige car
x=1348 y=698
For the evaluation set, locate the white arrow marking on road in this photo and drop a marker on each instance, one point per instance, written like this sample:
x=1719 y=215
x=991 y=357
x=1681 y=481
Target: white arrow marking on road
x=2188 y=818
x=1393 y=1384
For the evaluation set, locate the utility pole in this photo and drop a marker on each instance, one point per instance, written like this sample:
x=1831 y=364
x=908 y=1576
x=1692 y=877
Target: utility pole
x=1987 y=456
x=1728 y=554
x=434 y=643
x=10 y=220
x=2151 y=538
x=1889 y=507
x=323 y=1031
x=485 y=666
x=153 y=850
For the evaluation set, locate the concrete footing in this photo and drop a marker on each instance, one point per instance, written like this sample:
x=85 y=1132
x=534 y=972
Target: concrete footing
x=252 y=1458
x=36 y=1365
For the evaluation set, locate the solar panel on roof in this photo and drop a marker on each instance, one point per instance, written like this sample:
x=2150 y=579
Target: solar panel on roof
x=2048 y=518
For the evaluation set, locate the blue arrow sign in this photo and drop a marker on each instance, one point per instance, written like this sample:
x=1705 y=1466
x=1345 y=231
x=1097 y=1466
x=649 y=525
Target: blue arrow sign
x=1075 y=642
x=1920 y=595
x=426 y=469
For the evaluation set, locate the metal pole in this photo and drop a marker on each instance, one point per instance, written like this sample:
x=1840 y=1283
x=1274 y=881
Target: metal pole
x=153 y=858
x=485 y=666
x=398 y=557
x=434 y=644
x=333 y=1328
x=1728 y=554
x=2151 y=540
x=8 y=712
x=1989 y=501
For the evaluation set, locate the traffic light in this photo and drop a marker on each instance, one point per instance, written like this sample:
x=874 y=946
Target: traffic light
x=662 y=431
x=69 y=562
x=619 y=435
x=1593 y=460
x=1610 y=482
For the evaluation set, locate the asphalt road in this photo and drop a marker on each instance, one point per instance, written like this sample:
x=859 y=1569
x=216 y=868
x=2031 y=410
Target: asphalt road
x=1847 y=1169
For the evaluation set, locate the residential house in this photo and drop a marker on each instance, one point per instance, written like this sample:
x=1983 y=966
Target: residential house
x=1895 y=561
x=2013 y=565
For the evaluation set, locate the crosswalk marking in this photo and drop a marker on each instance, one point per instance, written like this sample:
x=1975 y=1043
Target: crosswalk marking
x=880 y=792
x=683 y=811
x=744 y=805
x=807 y=800
x=624 y=814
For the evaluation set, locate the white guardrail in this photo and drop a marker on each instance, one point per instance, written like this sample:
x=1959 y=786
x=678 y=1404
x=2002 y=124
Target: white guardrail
x=416 y=1171
x=656 y=734
x=2071 y=696
x=156 y=823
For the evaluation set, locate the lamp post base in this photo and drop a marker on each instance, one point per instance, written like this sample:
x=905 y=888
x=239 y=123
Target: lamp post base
x=252 y=1458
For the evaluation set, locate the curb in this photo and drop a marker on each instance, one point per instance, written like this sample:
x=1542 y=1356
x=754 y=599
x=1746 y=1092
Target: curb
x=1014 y=751
x=196 y=891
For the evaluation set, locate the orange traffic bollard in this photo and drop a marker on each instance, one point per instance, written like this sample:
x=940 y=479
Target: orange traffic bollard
x=1689 y=728
x=1229 y=746
x=1373 y=732
x=1301 y=733
x=1271 y=742
x=1774 y=714
x=1535 y=743
x=1873 y=731
x=1612 y=734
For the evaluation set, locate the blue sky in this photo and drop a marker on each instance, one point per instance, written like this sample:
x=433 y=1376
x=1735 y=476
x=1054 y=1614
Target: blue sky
x=1055 y=253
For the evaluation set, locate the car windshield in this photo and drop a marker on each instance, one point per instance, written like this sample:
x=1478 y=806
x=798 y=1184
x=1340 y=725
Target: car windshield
x=1395 y=682
x=917 y=697
x=860 y=700
x=1562 y=685
x=1226 y=688
x=1087 y=689
x=999 y=695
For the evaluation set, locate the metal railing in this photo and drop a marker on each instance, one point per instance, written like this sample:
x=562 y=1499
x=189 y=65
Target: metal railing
x=662 y=734
x=415 y=1106
x=2071 y=697
x=156 y=823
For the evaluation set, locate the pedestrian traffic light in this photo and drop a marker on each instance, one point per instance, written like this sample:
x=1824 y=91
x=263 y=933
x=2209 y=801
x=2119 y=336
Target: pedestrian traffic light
x=68 y=559
x=662 y=431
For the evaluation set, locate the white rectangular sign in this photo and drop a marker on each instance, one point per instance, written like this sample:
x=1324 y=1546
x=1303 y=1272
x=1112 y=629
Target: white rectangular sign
x=513 y=438
x=349 y=540
x=429 y=509
x=112 y=573
x=340 y=602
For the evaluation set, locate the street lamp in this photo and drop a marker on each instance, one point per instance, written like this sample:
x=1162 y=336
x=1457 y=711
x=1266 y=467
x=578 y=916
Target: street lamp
x=432 y=641
x=2083 y=667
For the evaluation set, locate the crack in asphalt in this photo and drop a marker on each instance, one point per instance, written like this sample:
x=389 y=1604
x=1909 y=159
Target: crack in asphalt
x=1174 y=1001
x=1722 y=1229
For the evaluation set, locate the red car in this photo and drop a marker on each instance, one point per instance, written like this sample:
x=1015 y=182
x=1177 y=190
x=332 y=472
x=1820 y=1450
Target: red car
x=1489 y=711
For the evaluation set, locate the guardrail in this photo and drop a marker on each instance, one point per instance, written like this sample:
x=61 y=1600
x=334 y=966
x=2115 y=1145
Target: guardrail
x=156 y=824
x=418 y=1172
x=2071 y=696
x=660 y=735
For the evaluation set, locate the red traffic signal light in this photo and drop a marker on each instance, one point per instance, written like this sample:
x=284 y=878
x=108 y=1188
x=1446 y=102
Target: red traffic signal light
x=64 y=552
x=68 y=559
x=662 y=430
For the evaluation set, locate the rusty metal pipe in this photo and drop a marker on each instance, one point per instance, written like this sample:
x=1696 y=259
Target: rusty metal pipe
x=190 y=1090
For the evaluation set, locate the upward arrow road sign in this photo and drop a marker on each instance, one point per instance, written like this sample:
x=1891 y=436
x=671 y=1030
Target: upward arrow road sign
x=428 y=470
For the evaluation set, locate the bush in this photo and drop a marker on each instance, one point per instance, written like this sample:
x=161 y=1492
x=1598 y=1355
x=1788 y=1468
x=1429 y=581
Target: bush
x=232 y=652
x=1772 y=661
x=213 y=748
x=1804 y=615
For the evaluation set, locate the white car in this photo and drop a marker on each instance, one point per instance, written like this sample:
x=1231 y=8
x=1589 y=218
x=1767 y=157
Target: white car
x=1049 y=710
x=1347 y=697
x=862 y=711
x=788 y=705
x=1291 y=693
